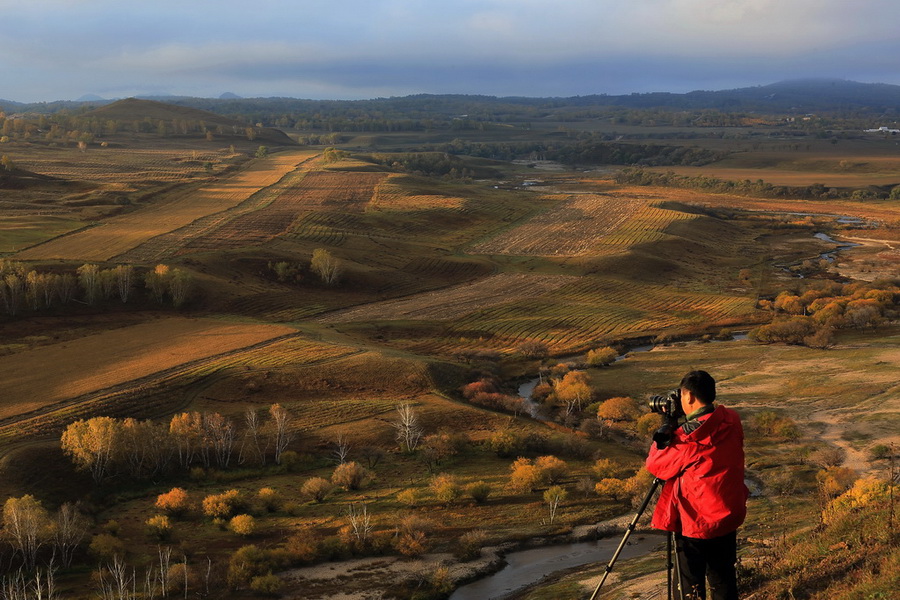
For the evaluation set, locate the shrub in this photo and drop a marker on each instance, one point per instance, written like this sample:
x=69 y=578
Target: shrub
x=445 y=488
x=303 y=546
x=222 y=506
x=647 y=424
x=612 y=488
x=243 y=525
x=834 y=481
x=350 y=475
x=619 y=409
x=604 y=468
x=524 y=476
x=269 y=499
x=505 y=443
x=412 y=536
x=316 y=489
x=159 y=527
x=602 y=357
x=880 y=451
x=479 y=491
x=105 y=547
x=410 y=497
x=552 y=469
x=269 y=584
x=174 y=502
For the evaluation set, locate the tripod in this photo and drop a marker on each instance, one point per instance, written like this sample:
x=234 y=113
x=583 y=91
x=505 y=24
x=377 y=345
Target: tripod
x=661 y=437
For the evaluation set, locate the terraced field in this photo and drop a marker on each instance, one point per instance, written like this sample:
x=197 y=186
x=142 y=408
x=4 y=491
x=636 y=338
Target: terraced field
x=120 y=234
x=455 y=301
x=585 y=224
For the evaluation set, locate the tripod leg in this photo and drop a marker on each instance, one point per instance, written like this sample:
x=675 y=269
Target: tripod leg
x=669 y=540
x=677 y=569
x=631 y=527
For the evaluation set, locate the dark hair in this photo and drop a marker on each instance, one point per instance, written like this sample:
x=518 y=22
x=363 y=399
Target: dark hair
x=701 y=384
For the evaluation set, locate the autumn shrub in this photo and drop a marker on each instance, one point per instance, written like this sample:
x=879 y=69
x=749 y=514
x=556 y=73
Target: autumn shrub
x=222 y=506
x=174 y=503
x=251 y=561
x=350 y=475
x=612 y=488
x=602 y=357
x=445 y=488
x=524 y=476
x=412 y=536
x=316 y=489
x=533 y=349
x=159 y=527
x=484 y=385
x=604 y=468
x=410 y=497
x=834 y=481
x=302 y=546
x=243 y=525
x=505 y=442
x=552 y=469
x=647 y=424
x=864 y=492
x=104 y=547
x=269 y=499
x=619 y=409
x=479 y=491
x=269 y=584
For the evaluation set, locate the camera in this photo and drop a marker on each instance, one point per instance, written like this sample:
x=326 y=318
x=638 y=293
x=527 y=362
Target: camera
x=668 y=404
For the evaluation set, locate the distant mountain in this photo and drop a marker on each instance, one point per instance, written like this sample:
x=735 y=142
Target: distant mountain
x=229 y=96
x=91 y=98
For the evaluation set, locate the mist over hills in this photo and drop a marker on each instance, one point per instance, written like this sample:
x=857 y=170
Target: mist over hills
x=792 y=97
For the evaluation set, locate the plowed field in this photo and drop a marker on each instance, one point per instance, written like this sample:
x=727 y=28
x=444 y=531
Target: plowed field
x=338 y=191
x=456 y=301
x=120 y=234
x=585 y=224
x=36 y=378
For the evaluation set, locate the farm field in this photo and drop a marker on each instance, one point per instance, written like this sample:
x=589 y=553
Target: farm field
x=454 y=302
x=117 y=235
x=118 y=356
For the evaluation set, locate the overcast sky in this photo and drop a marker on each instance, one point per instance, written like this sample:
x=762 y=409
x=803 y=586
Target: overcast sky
x=351 y=49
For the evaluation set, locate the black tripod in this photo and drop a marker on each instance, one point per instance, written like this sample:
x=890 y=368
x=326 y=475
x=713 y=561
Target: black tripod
x=662 y=438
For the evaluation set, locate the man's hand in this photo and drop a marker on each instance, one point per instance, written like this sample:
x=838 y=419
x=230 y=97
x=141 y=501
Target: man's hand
x=663 y=436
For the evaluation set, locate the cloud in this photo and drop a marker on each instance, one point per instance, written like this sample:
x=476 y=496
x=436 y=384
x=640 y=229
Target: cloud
x=494 y=46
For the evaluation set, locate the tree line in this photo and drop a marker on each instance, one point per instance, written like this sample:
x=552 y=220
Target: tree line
x=141 y=450
x=24 y=288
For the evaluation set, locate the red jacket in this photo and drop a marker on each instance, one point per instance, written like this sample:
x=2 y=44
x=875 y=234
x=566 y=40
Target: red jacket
x=704 y=495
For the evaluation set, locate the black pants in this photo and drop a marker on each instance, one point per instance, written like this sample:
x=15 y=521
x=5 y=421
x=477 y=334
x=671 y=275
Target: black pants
x=712 y=559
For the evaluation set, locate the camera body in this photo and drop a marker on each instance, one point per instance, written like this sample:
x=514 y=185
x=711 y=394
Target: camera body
x=668 y=404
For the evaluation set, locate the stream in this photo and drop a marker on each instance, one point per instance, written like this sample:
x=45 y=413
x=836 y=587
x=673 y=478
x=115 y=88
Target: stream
x=526 y=567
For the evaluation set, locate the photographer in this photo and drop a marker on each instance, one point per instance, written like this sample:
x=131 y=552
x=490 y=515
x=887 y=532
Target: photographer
x=704 y=499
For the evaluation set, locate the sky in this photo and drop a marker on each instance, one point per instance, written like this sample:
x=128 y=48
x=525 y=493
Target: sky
x=355 y=49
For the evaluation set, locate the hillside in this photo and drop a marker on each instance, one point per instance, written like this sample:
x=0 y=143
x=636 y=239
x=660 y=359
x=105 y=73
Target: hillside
x=135 y=109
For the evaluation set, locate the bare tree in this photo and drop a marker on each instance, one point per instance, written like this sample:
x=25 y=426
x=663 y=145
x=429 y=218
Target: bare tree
x=14 y=293
x=218 y=435
x=71 y=527
x=341 y=448
x=282 y=435
x=253 y=435
x=65 y=287
x=409 y=432
x=179 y=286
x=360 y=522
x=89 y=278
x=124 y=275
